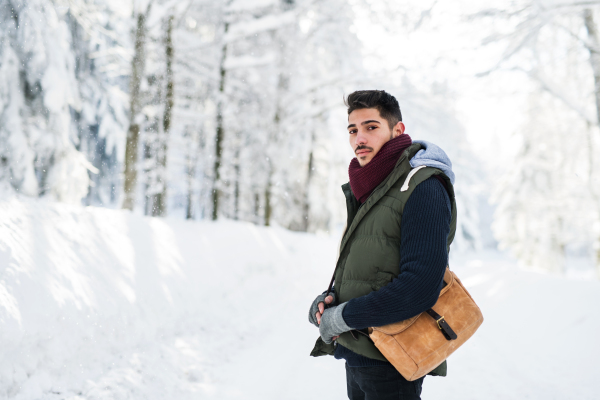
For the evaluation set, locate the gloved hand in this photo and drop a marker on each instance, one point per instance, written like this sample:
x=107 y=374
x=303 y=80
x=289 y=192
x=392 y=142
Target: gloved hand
x=333 y=324
x=314 y=308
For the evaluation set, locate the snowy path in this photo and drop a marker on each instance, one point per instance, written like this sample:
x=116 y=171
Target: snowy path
x=101 y=304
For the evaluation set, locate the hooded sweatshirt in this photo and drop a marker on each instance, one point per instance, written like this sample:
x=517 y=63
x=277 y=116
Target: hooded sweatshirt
x=432 y=156
x=423 y=249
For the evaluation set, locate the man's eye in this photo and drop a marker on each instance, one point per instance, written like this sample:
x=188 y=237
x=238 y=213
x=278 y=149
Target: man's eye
x=372 y=127
x=352 y=132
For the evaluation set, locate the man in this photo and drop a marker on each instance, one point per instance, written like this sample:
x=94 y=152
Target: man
x=394 y=252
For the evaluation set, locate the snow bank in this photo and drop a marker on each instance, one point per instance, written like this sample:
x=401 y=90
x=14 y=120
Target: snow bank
x=104 y=304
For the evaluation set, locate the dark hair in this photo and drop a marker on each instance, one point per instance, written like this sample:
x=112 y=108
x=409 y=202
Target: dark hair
x=385 y=103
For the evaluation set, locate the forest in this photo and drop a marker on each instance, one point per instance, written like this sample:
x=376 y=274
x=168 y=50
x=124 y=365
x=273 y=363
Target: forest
x=233 y=109
x=171 y=203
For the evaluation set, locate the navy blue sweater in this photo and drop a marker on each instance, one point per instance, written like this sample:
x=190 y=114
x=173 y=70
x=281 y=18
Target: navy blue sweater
x=424 y=256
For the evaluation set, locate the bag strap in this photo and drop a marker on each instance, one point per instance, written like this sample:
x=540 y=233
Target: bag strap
x=331 y=283
x=449 y=334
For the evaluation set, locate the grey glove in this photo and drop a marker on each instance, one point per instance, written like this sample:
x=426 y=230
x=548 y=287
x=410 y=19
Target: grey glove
x=332 y=323
x=315 y=307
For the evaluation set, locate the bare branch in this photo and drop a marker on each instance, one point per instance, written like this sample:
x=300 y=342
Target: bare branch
x=551 y=88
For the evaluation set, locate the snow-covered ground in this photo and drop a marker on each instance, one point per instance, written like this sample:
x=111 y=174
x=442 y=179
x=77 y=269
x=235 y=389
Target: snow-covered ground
x=104 y=304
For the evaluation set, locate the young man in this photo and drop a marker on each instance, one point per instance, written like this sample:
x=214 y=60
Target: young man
x=394 y=252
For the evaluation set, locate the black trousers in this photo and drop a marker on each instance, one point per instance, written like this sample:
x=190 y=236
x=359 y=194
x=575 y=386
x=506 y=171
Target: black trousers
x=380 y=383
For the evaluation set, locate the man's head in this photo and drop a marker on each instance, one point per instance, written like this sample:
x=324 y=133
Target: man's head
x=374 y=118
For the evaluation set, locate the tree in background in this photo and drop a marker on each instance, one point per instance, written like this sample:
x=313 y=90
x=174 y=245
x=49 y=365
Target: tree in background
x=233 y=108
x=38 y=92
x=99 y=42
x=138 y=65
x=554 y=178
x=158 y=116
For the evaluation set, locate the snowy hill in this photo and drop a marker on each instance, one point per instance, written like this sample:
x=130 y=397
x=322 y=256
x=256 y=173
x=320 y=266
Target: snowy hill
x=104 y=304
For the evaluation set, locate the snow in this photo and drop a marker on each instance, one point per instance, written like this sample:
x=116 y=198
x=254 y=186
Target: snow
x=105 y=304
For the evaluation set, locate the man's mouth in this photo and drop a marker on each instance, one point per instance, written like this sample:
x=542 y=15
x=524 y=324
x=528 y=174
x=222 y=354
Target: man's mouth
x=362 y=152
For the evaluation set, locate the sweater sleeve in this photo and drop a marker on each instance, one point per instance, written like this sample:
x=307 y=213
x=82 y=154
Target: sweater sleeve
x=423 y=258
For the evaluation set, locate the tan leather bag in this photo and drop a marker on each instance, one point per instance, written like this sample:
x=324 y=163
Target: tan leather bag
x=418 y=345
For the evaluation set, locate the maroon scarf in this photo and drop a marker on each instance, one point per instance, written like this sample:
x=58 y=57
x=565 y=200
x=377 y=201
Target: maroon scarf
x=363 y=180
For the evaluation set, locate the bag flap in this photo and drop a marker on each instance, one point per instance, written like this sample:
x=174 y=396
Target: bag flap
x=398 y=327
x=448 y=280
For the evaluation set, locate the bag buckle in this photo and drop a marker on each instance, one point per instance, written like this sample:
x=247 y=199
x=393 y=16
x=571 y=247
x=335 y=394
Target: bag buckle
x=438 y=322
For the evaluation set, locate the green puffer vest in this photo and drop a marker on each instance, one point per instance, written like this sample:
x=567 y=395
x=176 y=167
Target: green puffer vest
x=370 y=249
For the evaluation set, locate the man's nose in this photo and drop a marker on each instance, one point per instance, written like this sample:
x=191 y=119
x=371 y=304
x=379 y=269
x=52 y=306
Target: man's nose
x=361 y=139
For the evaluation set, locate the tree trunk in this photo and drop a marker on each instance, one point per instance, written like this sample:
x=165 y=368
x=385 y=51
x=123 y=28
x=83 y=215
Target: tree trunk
x=160 y=208
x=133 y=133
x=189 y=208
x=271 y=168
x=149 y=157
x=191 y=160
x=271 y=146
x=268 y=209
x=236 y=201
x=594 y=49
x=277 y=133
x=256 y=208
x=220 y=133
x=309 y=175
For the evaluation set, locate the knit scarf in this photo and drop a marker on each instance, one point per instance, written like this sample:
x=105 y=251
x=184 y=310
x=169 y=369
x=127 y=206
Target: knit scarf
x=363 y=180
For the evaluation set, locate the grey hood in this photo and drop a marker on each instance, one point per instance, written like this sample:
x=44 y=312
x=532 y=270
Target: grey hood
x=432 y=156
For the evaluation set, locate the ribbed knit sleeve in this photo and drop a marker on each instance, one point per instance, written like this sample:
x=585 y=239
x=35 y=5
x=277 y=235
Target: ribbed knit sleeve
x=424 y=256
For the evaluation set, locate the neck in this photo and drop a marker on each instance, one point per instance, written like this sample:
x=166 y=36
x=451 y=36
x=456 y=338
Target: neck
x=364 y=179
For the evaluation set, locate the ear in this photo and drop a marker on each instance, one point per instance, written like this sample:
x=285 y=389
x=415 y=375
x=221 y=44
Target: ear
x=398 y=129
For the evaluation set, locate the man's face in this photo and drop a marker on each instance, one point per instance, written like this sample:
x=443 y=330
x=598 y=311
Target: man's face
x=368 y=132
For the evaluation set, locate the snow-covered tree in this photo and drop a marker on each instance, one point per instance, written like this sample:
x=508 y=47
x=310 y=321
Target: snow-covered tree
x=227 y=109
x=100 y=43
x=554 y=176
x=36 y=98
x=540 y=198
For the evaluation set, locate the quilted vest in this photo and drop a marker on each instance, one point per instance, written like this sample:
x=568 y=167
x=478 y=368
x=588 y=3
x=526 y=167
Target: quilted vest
x=370 y=248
